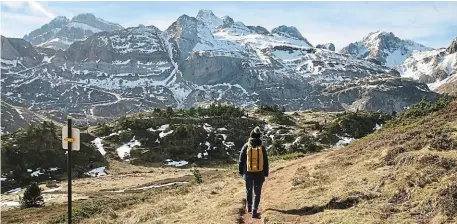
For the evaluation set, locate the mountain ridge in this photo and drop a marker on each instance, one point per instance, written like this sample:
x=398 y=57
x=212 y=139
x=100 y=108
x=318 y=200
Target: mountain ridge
x=437 y=68
x=135 y=69
x=384 y=47
x=61 y=32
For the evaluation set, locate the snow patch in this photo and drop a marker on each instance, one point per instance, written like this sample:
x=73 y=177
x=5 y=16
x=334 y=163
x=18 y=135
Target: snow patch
x=207 y=127
x=84 y=27
x=36 y=173
x=52 y=190
x=100 y=171
x=10 y=203
x=377 y=127
x=20 y=113
x=176 y=163
x=344 y=141
x=126 y=148
x=161 y=128
x=437 y=84
x=157 y=186
x=99 y=145
x=163 y=134
x=14 y=191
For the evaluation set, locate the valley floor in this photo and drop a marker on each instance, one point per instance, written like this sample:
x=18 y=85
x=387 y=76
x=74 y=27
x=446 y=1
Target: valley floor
x=400 y=174
x=219 y=199
x=312 y=189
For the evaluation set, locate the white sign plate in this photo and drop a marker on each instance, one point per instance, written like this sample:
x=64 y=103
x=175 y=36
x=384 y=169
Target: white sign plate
x=74 y=135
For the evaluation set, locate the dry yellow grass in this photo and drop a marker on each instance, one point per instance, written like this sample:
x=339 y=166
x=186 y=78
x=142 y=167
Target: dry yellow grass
x=392 y=176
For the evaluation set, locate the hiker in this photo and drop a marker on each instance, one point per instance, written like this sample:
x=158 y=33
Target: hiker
x=253 y=166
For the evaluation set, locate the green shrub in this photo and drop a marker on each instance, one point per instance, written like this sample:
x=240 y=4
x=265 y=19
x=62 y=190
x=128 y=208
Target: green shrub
x=307 y=144
x=32 y=197
x=197 y=175
x=423 y=108
x=40 y=146
x=356 y=124
x=277 y=148
x=327 y=138
x=282 y=119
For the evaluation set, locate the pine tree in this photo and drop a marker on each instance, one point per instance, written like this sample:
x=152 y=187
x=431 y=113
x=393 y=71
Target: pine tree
x=32 y=197
x=170 y=112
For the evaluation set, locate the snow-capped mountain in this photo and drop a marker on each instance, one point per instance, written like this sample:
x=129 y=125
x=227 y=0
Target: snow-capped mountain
x=437 y=68
x=384 y=47
x=61 y=32
x=197 y=60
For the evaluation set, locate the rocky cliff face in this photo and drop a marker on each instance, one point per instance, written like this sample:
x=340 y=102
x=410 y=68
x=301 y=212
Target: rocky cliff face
x=384 y=47
x=61 y=32
x=437 y=68
x=18 y=54
x=195 y=61
x=385 y=93
x=453 y=47
x=328 y=46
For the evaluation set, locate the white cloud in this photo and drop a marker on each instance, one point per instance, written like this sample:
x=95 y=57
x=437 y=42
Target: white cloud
x=38 y=8
x=28 y=23
x=30 y=14
x=14 y=5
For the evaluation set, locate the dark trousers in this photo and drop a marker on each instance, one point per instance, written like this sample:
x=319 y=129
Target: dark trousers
x=254 y=182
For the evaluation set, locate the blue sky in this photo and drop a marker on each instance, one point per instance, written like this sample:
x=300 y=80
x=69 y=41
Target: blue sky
x=433 y=24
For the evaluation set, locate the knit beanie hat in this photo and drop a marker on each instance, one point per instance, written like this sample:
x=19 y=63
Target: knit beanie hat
x=255 y=133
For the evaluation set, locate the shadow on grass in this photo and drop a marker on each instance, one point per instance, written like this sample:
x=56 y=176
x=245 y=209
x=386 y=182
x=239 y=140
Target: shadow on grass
x=334 y=203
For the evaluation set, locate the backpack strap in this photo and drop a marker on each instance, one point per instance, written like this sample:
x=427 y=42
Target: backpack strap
x=258 y=158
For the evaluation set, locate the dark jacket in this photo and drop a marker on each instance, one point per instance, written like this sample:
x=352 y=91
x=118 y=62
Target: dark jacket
x=242 y=160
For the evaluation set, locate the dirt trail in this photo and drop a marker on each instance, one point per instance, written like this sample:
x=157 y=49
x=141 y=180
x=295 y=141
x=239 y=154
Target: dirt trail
x=276 y=189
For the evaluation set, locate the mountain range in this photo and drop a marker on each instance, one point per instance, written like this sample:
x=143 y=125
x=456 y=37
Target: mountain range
x=385 y=47
x=97 y=70
x=61 y=32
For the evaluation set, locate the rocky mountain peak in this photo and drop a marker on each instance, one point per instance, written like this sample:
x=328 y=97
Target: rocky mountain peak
x=60 y=20
x=453 y=47
x=61 y=32
x=289 y=31
x=209 y=19
x=184 y=24
x=185 y=19
x=84 y=17
x=328 y=46
x=91 y=20
x=203 y=13
x=379 y=34
x=259 y=29
x=227 y=21
x=381 y=40
x=384 y=47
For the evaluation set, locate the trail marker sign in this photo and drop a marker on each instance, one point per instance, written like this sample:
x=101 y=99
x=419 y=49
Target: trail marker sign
x=75 y=133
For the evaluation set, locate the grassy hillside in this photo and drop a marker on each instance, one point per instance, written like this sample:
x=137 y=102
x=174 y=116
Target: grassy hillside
x=141 y=185
x=211 y=136
x=404 y=173
x=36 y=154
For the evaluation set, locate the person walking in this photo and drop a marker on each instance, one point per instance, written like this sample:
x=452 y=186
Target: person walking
x=253 y=166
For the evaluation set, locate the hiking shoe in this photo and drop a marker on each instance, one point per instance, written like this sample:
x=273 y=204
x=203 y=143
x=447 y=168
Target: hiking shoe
x=255 y=214
x=249 y=209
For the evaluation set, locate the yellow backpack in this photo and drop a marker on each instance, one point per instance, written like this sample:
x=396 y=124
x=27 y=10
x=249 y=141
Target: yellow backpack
x=255 y=158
